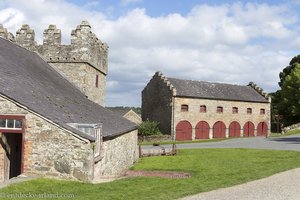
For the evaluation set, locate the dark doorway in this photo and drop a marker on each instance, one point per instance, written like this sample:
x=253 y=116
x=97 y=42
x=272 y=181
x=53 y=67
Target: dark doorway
x=13 y=149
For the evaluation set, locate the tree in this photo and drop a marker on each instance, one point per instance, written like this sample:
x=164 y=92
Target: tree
x=147 y=128
x=287 y=70
x=287 y=100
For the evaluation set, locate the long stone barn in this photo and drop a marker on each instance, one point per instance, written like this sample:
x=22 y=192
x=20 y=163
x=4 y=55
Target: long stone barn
x=191 y=110
x=52 y=119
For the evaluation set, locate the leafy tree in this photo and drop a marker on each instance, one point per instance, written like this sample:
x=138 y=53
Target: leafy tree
x=287 y=100
x=288 y=69
x=149 y=128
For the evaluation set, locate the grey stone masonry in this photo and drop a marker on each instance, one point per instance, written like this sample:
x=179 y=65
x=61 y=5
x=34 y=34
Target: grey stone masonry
x=83 y=62
x=5 y=34
x=85 y=46
x=157 y=102
x=25 y=37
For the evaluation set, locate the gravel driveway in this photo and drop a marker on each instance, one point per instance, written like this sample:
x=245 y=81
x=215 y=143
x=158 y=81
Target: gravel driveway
x=281 y=143
x=282 y=186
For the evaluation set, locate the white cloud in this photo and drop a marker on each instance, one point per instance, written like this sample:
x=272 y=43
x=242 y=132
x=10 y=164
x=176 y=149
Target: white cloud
x=235 y=43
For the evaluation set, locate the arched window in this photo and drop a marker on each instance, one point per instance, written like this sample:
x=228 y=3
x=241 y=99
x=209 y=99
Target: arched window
x=184 y=108
x=203 y=108
x=262 y=111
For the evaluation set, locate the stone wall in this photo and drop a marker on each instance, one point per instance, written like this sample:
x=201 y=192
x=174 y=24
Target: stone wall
x=119 y=154
x=291 y=127
x=85 y=51
x=157 y=102
x=84 y=78
x=51 y=151
x=211 y=116
x=134 y=117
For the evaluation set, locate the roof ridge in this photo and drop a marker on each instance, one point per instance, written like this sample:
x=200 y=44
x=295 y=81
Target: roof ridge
x=215 y=90
x=211 y=82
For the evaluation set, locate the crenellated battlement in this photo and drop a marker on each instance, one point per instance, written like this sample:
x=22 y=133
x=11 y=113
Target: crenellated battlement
x=5 y=34
x=25 y=37
x=83 y=62
x=85 y=47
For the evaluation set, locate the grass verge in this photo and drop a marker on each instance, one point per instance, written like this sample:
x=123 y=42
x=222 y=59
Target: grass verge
x=291 y=132
x=210 y=169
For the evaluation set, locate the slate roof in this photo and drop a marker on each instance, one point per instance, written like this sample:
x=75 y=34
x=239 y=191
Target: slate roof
x=27 y=79
x=222 y=91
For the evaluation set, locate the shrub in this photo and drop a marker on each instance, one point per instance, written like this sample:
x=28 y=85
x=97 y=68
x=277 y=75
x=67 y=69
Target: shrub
x=149 y=128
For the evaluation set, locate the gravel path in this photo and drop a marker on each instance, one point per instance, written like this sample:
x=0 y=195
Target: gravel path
x=282 y=186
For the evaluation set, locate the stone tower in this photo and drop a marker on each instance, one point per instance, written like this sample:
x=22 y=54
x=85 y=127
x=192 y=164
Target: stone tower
x=83 y=62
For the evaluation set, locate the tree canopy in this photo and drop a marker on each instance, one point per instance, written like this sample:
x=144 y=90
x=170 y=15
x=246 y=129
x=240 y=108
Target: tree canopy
x=286 y=101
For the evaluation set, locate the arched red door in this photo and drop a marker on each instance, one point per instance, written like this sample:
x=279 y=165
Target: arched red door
x=202 y=130
x=219 y=130
x=262 y=129
x=248 y=129
x=184 y=131
x=234 y=129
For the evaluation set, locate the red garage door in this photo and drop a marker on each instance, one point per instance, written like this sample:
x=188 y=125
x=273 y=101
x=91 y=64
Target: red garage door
x=262 y=129
x=219 y=130
x=202 y=130
x=184 y=131
x=248 y=129
x=234 y=129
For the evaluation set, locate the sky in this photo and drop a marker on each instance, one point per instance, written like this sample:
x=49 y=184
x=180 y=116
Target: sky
x=233 y=42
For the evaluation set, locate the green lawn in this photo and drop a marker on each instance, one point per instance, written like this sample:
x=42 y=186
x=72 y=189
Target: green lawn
x=291 y=132
x=210 y=169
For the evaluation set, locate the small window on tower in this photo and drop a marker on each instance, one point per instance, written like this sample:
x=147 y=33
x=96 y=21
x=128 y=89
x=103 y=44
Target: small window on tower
x=262 y=111
x=97 y=81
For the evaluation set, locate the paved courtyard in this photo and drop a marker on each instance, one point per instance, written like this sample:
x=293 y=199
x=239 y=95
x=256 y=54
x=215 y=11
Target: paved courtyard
x=280 y=143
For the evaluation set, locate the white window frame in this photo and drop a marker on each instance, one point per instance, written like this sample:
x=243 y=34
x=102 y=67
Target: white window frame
x=98 y=137
x=9 y=128
x=97 y=134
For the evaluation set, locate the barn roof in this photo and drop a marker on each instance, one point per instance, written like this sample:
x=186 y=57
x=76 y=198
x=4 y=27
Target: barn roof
x=222 y=91
x=27 y=79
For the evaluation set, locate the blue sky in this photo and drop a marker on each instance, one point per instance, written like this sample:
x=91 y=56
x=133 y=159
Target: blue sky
x=156 y=8
x=220 y=41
